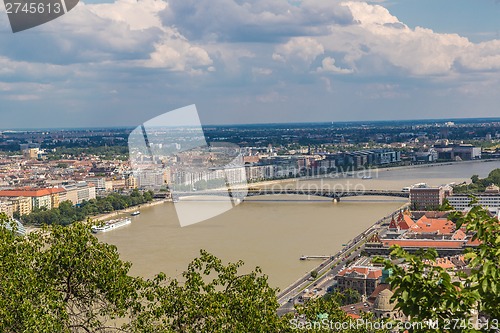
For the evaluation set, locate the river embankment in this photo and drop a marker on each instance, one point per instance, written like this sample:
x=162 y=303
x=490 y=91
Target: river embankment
x=106 y=216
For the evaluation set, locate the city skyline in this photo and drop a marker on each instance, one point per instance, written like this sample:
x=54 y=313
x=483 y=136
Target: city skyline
x=115 y=64
x=402 y=122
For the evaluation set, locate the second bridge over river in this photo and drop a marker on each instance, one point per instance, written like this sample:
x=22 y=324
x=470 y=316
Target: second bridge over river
x=335 y=194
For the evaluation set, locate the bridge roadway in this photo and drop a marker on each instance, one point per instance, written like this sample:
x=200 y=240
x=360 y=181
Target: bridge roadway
x=319 y=192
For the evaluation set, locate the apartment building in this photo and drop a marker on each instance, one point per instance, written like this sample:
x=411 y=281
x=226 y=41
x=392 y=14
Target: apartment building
x=363 y=279
x=428 y=198
x=40 y=198
x=79 y=192
x=22 y=205
x=150 y=178
x=7 y=207
x=130 y=182
x=490 y=201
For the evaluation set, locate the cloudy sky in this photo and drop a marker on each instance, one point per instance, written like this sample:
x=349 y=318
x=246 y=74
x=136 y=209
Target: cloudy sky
x=124 y=62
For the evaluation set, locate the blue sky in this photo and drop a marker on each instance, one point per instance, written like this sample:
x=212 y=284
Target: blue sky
x=124 y=62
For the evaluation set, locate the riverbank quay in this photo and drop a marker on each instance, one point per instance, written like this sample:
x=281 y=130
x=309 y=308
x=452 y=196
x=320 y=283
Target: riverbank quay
x=328 y=268
x=107 y=216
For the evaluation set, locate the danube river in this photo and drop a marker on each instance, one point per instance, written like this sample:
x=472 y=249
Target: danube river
x=273 y=231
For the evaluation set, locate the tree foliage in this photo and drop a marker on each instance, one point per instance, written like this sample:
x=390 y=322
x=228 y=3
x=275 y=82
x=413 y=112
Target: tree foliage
x=212 y=298
x=61 y=280
x=428 y=293
x=105 y=152
x=322 y=314
x=479 y=184
x=66 y=213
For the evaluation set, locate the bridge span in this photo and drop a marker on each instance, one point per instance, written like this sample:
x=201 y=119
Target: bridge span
x=334 y=194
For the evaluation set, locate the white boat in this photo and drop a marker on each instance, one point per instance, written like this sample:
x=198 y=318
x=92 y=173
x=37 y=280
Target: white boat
x=110 y=225
x=135 y=213
x=366 y=177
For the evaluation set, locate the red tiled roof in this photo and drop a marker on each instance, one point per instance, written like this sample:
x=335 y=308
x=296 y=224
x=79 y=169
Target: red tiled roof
x=423 y=243
x=374 y=239
x=393 y=224
x=368 y=272
x=374 y=274
x=441 y=262
x=400 y=216
x=359 y=270
x=471 y=242
x=406 y=223
x=459 y=234
x=378 y=289
x=30 y=192
x=427 y=225
x=353 y=316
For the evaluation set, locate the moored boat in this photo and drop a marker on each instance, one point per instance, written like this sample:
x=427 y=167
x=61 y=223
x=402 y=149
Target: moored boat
x=135 y=213
x=110 y=225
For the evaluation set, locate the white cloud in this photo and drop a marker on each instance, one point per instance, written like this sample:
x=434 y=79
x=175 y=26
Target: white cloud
x=379 y=44
x=138 y=15
x=366 y=14
x=328 y=65
x=484 y=56
x=22 y=69
x=258 y=20
x=137 y=48
x=174 y=52
x=355 y=37
x=299 y=49
x=229 y=56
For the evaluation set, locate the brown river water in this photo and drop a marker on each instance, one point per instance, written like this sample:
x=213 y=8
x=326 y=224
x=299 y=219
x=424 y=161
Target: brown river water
x=273 y=231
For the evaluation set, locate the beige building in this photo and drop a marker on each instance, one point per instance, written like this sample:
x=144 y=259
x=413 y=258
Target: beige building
x=31 y=153
x=22 y=205
x=7 y=207
x=40 y=198
x=118 y=184
x=385 y=308
x=79 y=192
x=130 y=182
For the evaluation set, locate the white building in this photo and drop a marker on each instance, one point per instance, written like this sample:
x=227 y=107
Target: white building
x=490 y=201
x=99 y=182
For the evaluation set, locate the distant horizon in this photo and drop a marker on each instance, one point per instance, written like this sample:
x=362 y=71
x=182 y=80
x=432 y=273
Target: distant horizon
x=116 y=127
